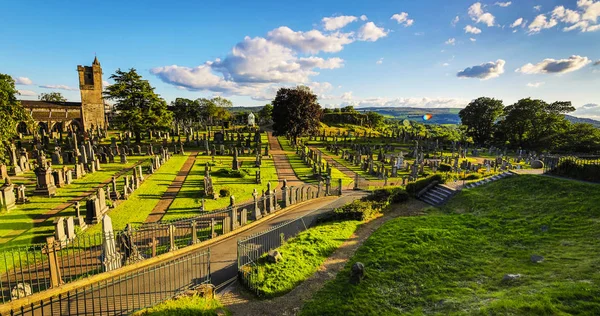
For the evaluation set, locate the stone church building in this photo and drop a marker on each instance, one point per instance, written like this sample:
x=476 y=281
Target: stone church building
x=77 y=116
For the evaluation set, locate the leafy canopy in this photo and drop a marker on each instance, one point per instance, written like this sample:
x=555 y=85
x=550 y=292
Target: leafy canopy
x=11 y=113
x=296 y=112
x=52 y=97
x=139 y=108
x=479 y=117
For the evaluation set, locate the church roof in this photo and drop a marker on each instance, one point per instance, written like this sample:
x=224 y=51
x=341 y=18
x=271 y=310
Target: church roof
x=96 y=62
x=46 y=104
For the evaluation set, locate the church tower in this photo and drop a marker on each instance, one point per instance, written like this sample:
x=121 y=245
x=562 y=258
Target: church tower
x=92 y=104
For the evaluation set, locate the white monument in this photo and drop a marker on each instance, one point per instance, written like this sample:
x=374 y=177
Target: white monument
x=251 y=119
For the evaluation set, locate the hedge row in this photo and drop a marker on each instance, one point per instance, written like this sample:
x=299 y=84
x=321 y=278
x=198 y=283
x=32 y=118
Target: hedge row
x=370 y=205
x=415 y=187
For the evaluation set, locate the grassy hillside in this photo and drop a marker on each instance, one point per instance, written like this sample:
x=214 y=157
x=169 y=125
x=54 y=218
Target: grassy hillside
x=453 y=260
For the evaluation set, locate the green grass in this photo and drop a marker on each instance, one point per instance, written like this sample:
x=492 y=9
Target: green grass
x=304 y=172
x=20 y=219
x=140 y=204
x=186 y=306
x=452 y=261
x=189 y=199
x=302 y=256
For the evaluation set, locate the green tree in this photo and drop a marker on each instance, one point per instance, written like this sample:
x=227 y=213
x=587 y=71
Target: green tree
x=535 y=124
x=348 y=109
x=581 y=138
x=52 y=97
x=375 y=119
x=266 y=113
x=296 y=112
x=186 y=110
x=139 y=108
x=11 y=113
x=479 y=117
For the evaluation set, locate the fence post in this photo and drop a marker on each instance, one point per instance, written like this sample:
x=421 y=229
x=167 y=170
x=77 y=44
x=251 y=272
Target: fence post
x=212 y=227
x=356 y=182
x=55 y=277
x=340 y=186
x=194 y=233
x=172 y=245
x=153 y=245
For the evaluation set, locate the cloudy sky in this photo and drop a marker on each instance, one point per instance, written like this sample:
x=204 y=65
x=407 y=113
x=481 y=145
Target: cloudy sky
x=434 y=53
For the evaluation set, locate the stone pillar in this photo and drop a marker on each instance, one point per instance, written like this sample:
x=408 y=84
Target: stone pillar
x=340 y=187
x=172 y=246
x=53 y=262
x=284 y=194
x=257 y=214
x=356 y=182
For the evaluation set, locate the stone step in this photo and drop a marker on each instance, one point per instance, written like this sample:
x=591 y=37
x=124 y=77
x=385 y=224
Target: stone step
x=440 y=194
x=434 y=198
x=429 y=201
x=445 y=189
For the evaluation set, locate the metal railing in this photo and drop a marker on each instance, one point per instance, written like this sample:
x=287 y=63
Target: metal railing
x=251 y=250
x=128 y=293
x=32 y=269
x=586 y=168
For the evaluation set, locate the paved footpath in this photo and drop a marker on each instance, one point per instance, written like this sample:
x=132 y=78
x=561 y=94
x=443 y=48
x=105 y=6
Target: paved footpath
x=282 y=164
x=167 y=198
x=223 y=267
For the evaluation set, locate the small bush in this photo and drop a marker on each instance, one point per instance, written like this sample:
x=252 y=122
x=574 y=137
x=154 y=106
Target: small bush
x=415 y=187
x=357 y=210
x=224 y=193
x=444 y=167
x=473 y=176
x=228 y=173
x=387 y=195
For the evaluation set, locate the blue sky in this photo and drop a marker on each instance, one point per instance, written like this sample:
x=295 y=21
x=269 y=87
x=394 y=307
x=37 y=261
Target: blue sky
x=364 y=53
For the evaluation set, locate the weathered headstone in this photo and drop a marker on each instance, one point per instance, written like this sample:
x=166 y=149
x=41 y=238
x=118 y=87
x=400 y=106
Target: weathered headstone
x=111 y=257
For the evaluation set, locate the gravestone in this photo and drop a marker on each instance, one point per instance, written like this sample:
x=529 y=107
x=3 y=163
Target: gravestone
x=21 y=197
x=92 y=209
x=45 y=181
x=60 y=231
x=111 y=257
x=70 y=229
x=7 y=193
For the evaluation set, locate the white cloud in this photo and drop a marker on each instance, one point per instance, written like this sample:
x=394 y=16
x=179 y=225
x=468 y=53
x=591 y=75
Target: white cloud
x=537 y=8
x=347 y=96
x=591 y=9
x=23 y=81
x=371 y=32
x=541 y=22
x=309 y=42
x=472 y=29
x=589 y=110
x=479 y=16
x=419 y=33
x=535 y=84
x=472 y=39
x=484 y=71
x=516 y=23
x=319 y=87
x=363 y=17
x=105 y=83
x=450 y=41
x=408 y=102
x=455 y=21
x=58 y=87
x=503 y=4
x=566 y=15
x=597 y=63
x=549 y=65
x=402 y=18
x=445 y=64
x=380 y=61
x=28 y=93
x=335 y=23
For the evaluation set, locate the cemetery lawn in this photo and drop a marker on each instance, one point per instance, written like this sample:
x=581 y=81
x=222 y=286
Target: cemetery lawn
x=304 y=172
x=189 y=199
x=453 y=260
x=140 y=204
x=189 y=305
x=302 y=256
x=19 y=220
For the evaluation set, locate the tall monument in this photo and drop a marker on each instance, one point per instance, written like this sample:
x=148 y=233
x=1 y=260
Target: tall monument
x=92 y=104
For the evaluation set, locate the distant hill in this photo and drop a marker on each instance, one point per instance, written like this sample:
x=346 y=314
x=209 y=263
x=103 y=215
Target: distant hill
x=439 y=115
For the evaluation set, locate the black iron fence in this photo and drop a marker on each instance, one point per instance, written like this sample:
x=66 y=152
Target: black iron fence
x=586 y=168
x=252 y=250
x=32 y=269
x=123 y=295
